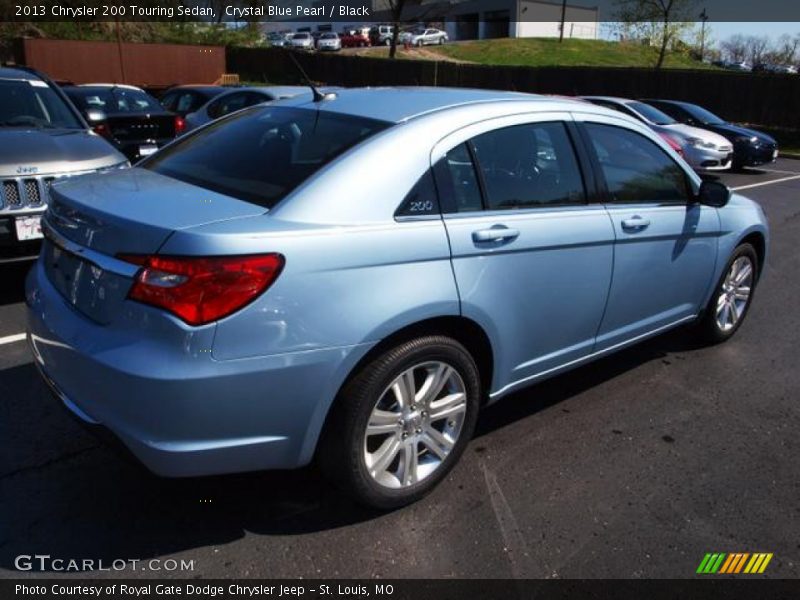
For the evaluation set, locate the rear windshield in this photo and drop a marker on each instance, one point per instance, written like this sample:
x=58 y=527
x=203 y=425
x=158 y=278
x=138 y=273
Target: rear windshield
x=24 y=104
x=114 y=100
x=261 y=154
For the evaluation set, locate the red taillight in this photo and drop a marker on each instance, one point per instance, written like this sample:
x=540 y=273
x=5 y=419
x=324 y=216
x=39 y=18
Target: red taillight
x=102 y=129
x=672 y=143
x=180 y=125
x=201 y=290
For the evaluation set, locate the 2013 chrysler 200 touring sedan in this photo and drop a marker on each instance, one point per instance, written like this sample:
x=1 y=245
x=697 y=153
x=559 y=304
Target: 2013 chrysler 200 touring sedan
x=231 y=305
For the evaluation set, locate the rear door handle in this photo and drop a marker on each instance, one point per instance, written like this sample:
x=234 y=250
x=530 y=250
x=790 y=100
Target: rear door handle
x=497 y=233
x=635 y=223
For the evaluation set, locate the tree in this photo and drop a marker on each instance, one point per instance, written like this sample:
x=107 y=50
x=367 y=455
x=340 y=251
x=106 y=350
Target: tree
x=784 y=52
x=563 y=20
x=735 y=48
x=666 y=21
x=396 y=10
x=756 y=46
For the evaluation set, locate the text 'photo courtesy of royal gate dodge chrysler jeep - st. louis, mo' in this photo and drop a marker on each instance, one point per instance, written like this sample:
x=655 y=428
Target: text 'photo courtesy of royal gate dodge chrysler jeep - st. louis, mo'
x=230 y=305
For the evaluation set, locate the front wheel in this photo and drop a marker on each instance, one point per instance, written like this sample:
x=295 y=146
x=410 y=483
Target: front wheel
x=732 y=298
x=402 y=422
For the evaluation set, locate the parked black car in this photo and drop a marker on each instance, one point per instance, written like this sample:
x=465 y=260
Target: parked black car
x=185 y=99
x=750 y=147
x=127 y=116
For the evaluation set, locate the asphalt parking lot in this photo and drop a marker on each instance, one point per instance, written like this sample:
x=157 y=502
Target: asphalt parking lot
x=634 y=466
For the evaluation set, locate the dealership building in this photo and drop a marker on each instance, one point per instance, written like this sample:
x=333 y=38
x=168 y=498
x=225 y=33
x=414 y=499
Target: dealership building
x=468 y=19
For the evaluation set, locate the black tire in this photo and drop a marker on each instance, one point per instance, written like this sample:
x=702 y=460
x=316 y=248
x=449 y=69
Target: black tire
x=341 y=450
x=707 y=327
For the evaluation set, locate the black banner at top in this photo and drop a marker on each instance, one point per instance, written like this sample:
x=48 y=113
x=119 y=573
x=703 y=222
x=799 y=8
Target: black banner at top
x=347 y=11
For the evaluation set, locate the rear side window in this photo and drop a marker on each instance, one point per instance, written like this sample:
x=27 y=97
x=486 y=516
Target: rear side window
x=422 y=200
x=262 y=154
x=527 y=166
x=636 y=169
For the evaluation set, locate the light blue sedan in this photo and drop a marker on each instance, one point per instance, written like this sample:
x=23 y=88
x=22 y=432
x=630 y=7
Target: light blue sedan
x=232 y=304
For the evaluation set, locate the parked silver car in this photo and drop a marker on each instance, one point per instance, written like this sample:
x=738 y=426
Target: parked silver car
x=702 y=149
x=301 y=41
x=329 y=41
x=239 y=98
x=43 y=138
x=424 y=37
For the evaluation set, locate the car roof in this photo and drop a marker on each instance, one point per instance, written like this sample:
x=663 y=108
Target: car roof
x=615 y=99
x=398 y=104
x=14 y=73
x=675 y=102
x=280 y=91
x=201 y=87
x=124 y=86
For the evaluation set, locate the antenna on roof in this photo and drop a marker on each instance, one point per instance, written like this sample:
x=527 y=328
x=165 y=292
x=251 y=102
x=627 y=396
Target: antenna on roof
x=317 y=95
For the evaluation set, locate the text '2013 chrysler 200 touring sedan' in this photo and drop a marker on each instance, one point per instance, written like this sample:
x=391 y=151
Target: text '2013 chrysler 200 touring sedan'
x=230 y=305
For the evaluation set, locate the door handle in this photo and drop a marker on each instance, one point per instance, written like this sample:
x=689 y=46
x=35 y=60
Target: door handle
x=635 y=223
x=498 y=233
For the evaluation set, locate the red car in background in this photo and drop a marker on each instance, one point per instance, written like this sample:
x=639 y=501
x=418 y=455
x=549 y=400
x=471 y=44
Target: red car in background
x=356 y=38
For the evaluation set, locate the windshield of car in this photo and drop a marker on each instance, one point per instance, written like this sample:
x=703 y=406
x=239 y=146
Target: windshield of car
x=651 y=114
x=261 y=154
x=33 y=103
x=300 y=36
x=114 y=99
x=702 y=115
x=329 y=36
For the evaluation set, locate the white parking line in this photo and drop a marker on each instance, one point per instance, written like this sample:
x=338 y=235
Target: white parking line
x=755 y=185
x=10 y=339
x=779 y=171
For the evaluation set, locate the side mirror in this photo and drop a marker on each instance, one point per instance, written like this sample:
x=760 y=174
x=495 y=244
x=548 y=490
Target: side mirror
x=95 y=115
x=713 y=193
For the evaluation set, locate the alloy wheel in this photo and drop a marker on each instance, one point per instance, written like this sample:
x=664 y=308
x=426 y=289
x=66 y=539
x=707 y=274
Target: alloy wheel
x=735 y=293
x=415 y=424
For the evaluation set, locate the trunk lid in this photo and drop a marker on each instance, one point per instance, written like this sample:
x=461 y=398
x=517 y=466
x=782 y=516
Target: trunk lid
x=141 y=127
x=93 y=218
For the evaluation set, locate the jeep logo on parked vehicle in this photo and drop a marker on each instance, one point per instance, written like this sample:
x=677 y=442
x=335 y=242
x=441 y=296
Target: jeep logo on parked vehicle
x=27 y=170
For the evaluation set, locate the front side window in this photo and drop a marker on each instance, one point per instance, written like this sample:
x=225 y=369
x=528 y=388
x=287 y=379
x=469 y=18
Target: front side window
x=459 y=181
x=262 y=154
x=636 y=169
x=527 y=166
x=26 y=104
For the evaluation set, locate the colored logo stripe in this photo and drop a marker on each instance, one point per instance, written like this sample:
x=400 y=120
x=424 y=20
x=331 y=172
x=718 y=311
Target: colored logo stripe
x=722 y=563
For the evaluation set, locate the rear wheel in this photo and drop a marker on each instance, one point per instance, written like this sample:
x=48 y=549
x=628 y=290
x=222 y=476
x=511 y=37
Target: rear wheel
x=728 y=306
x=402 y=422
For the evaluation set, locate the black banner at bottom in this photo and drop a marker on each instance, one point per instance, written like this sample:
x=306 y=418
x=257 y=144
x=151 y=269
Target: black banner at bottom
x=402 y=589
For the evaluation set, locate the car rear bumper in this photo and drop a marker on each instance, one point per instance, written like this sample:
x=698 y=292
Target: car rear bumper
x=182 y=417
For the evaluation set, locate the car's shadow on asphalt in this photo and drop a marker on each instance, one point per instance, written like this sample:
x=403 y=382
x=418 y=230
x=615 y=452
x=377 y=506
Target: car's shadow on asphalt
x=82 y=500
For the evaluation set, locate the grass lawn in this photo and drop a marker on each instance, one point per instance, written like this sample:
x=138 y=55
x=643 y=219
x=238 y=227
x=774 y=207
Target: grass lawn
x=546 y=52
